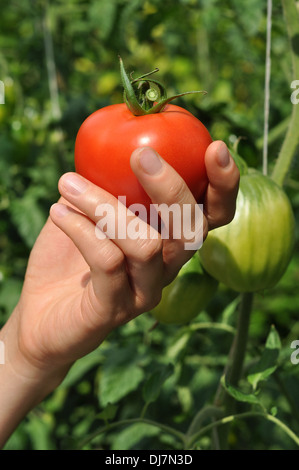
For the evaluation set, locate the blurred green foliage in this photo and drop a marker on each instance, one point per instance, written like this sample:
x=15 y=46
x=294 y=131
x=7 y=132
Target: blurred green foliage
x=59 y=63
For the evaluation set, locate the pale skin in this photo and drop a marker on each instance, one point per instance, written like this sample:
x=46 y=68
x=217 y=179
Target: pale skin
x=78 y=289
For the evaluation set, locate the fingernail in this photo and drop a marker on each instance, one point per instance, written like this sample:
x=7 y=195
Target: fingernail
x=59 y=210
x=73 y=184
x=223 y=155
x=150 y=161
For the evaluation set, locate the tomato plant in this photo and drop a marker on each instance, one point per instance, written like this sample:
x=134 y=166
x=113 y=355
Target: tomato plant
x=253 y=251
x=144 y=387
x=187 y=295
x=107 y=138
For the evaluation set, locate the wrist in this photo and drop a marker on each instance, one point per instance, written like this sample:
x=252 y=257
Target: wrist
x=21 y=367
x=23 y=385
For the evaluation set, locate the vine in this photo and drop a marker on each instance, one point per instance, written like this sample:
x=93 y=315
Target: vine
x=291 y=140
x=221 y=412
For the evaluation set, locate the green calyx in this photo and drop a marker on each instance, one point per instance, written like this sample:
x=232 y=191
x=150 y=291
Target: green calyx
x=144 y=95
x=239 y=161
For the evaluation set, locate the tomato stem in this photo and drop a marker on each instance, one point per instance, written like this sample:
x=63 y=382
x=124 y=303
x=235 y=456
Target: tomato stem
x=234 y=367
x=233 y=417
x=144 y=95
x=238 y=349
x=168 y=429
x=291 y=140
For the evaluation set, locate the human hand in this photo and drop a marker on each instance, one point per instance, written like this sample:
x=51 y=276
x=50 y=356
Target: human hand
x=78 y=288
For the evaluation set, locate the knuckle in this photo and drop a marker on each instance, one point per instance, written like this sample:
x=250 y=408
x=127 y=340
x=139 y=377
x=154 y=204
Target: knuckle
x=150 y=249
x=177 y=191
x=151 y=301
x=80 y=226
x=156 y=298
x=113 y=262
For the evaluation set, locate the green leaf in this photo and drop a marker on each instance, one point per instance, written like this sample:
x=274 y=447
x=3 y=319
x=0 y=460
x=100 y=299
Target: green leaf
x=237 y=394
x=81 y=367
x=229 y=310
x=178 y=344
x=153 y=385
x=240 y=162
x=130 y=436
x=117 y=382
x=10 y=291
x=108 y=412
x=273 y=340
x=249 y=15
x=40 y=428
x=268 y=361
x=101 y=15
x=28 y=218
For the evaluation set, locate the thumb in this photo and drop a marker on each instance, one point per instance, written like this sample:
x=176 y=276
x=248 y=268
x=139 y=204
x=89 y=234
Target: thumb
x=221 y=194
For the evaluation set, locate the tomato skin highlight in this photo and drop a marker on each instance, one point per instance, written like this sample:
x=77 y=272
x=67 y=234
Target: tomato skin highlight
x=107 y=138
x=252 y=252
x=187 y=295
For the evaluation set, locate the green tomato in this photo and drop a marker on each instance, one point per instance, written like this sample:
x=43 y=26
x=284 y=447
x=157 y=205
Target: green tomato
x=253 y=251
x=187 y=295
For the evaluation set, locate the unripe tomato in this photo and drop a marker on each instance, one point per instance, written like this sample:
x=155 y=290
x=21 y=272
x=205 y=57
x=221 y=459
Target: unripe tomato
x=187 y=295
x=107 y=138
x=253 y=251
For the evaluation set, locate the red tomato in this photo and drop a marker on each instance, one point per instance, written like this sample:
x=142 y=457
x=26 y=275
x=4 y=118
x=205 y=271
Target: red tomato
x=107 y=138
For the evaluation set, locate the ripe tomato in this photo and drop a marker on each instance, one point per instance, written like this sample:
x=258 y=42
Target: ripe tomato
x=107 y=138
x=253 y=251
x=187 y=295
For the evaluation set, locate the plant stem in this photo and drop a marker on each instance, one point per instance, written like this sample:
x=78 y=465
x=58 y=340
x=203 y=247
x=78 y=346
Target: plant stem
x=246 y=415
x=212 y=326
x=238 y=350
x=179 y=435
x=50 y=62
x=205 y=413
x=53 y=85
x=267 y=87
x=235 y=362
x=237 y=353
x=274 y=133
x=291 y=140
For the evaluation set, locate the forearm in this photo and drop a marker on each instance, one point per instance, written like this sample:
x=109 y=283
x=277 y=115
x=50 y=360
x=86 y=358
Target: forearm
x=17 y=397
x=22 y=386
